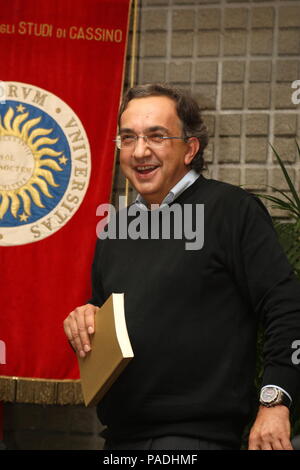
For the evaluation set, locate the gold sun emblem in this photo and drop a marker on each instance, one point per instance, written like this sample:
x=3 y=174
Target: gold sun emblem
x=22 y=164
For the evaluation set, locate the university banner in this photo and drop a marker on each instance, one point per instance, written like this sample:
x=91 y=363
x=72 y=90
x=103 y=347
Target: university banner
x=61 y=76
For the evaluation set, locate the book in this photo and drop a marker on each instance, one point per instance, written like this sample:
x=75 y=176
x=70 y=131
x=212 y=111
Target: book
x=110 y=353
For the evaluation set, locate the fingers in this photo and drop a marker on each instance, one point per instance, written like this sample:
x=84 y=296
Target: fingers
x=68 y=332
x=271 y=429
x=90 y=319
x=276 y=445
x=78 y=327
x=286 y=444
x=254 y=443
x=269 y=443
x=77 y=333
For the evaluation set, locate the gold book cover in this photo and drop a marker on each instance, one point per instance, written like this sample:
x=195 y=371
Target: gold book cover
x=111 y=350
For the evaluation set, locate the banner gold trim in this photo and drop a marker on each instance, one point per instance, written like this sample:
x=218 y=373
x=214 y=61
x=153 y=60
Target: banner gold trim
x=40 y=391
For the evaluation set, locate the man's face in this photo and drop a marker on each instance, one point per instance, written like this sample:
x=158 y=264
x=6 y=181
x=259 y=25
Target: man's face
x=153 y=171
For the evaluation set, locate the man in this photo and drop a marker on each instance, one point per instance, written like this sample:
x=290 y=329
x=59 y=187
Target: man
x=192 y=315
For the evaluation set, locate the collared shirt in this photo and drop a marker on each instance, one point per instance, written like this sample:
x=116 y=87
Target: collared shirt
x=187 y=180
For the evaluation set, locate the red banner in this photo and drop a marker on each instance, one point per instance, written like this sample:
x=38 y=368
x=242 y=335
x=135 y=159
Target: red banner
x=61 y=72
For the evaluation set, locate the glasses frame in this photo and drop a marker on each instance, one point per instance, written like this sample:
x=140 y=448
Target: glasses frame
x=118 y=142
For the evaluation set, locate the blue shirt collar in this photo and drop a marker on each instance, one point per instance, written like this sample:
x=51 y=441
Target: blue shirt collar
x=187 y=180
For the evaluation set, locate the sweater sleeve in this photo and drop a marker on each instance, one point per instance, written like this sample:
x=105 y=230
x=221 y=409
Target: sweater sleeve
x=97 y=290
x=273 y=291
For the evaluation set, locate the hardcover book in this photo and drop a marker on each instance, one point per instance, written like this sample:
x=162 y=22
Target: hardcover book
x=110 y=353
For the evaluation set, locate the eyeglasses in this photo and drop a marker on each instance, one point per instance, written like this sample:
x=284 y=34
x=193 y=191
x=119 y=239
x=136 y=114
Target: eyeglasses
x=129 y=141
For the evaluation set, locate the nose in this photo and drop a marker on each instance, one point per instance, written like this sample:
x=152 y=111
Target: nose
x=141 y=149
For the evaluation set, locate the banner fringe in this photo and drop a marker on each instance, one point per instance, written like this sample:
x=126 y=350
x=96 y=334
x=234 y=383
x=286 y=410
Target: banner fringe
x=40 y=391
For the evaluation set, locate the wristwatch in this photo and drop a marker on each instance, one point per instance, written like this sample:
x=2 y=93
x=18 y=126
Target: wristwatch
x=272 y=396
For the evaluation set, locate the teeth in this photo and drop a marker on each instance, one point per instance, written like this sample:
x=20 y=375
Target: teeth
x=145 y=167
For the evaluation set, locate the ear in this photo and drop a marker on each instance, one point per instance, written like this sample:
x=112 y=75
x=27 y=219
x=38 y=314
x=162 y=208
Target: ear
x=193 y=147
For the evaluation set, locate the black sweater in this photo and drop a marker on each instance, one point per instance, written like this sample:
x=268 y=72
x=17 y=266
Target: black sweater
x=192 y=318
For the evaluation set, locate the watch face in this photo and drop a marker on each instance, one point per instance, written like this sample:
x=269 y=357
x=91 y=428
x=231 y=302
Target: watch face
x=269 y=394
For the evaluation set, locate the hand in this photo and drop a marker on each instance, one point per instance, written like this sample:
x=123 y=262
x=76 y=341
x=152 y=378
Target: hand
x=78 y=326
x=271 y=429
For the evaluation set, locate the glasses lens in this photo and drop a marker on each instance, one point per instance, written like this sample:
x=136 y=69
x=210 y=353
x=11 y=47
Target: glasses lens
x=128 y=140
x=118 y=142
x=155 y=139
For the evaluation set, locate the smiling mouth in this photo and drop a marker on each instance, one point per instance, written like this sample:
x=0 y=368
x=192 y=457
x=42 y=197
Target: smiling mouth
x=146 y=169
